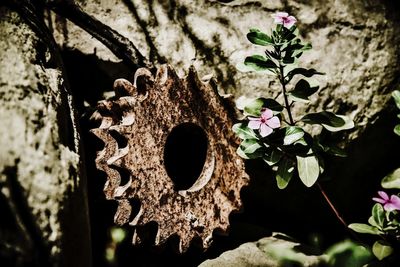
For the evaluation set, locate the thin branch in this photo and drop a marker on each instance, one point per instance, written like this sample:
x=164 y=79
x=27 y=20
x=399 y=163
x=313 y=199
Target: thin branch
x=283 y=83
x=337 y=214
x=121 y=46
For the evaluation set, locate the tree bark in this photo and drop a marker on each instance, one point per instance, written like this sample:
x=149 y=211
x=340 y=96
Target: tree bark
x=43 y=201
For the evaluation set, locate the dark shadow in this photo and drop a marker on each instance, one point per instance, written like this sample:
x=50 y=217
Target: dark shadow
x=185 y=154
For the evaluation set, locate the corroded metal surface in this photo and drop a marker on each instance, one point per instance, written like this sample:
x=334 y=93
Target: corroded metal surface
x=144 y=114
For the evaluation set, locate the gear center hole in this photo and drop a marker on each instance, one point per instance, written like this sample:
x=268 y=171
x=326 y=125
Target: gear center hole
x=185 y=154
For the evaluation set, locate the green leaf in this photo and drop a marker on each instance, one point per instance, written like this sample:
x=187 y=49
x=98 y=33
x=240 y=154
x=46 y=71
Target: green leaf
x=381 y=250
x=302 y=71
x=254 y=106
x=307 y=46
x=289 y=34
x=348 y=124
x=284 y=173
x=241 y=152
x=292 y=134
x=348 y=253
x=378 y=214
x=308 y=169
x=372 y=222
x=258 y=62
x=396 y=97
x=392 y=181
x=397 y=129
x=244 y=132
x=336 y=151
x=303 y=90
x=273 y=157
x=249 y=146
x=324 y=117
x=259 y=38
x=329 y=121
x=364 y=228
x=332 y=149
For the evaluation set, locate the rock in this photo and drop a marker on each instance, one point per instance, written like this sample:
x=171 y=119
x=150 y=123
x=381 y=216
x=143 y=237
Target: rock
x=355 y=43
x=265 y=252
x=42 y=184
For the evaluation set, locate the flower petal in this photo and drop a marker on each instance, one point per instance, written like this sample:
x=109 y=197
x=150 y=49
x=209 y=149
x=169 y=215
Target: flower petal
x=266 y=114
x=395 y=201
x=380 y=200
x=265 y=130
x=290 y=21
x=273 y=122
x=280 y=15
x=383 y=195
x=254 y=124
x=389 y=207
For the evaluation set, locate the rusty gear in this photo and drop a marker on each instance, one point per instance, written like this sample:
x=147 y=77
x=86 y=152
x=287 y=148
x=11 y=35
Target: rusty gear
x=144 y=114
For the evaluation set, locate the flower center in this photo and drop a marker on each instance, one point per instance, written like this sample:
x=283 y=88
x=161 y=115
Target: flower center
x=263 y=120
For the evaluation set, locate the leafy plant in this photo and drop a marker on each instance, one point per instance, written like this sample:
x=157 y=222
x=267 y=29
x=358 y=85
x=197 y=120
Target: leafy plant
x=385 y=219
x=384 y=223
x=270 y=131
x=396 y=97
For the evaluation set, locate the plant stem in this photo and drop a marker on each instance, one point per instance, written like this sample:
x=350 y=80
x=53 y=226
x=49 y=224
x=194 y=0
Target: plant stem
x=331 y=205
x=337 y=214
x=287 y=106
x=283 y=83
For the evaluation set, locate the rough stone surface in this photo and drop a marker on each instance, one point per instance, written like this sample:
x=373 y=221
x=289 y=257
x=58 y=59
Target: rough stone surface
x=42 y=193
x=156 y=116
x=356 y=43
x=265 y=252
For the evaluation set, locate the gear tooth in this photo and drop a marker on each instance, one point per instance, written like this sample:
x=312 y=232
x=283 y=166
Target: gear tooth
x=128 y=119
x=143 y=80
x=123 y=212
x=116 y=160
x=138 y=217
x=106 y=122
x=136 y=240
x=114 y=179
x=121 y=129
x=108 y=190
x=100 y=133
x=125 y=102
x=162 y=75
x=162 y=235
x=105 y=106
x=108 y=150
x=184 y=244
x=123 y=87
x=207 y=240
x=120 y=190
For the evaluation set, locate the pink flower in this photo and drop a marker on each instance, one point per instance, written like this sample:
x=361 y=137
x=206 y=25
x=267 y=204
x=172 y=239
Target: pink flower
x=285 y=19
x=389 y=204
x=265 y=123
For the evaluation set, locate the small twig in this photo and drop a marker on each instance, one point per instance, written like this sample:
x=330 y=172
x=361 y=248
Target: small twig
x=121 y=46
x=337 y=214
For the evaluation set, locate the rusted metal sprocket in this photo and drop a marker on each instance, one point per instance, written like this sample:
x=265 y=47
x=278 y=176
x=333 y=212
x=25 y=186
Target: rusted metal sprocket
x=145 y=114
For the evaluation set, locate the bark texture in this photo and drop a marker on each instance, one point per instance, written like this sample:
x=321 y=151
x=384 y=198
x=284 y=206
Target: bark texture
x=42 y=183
